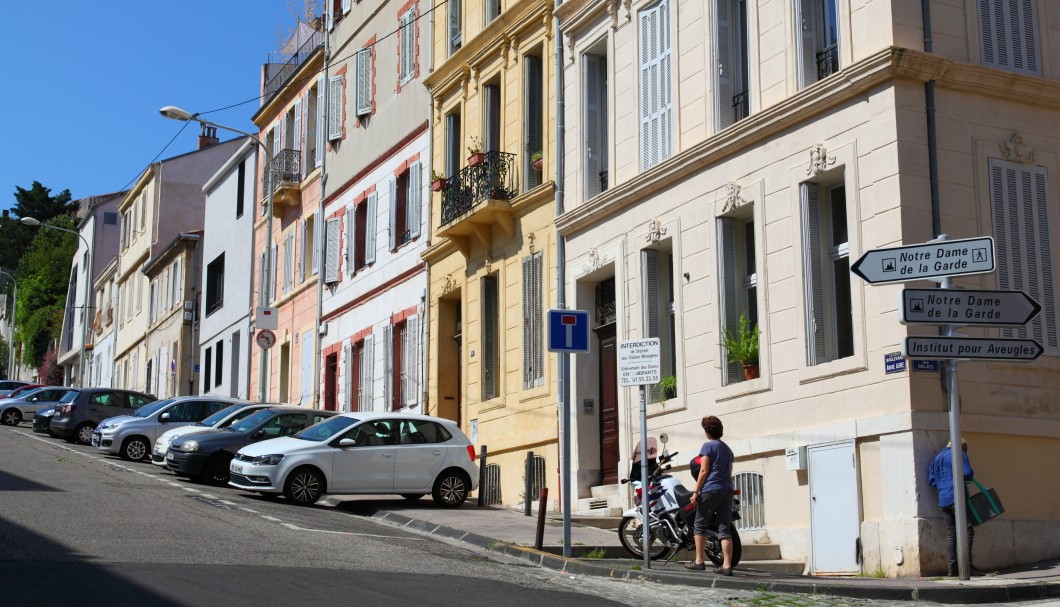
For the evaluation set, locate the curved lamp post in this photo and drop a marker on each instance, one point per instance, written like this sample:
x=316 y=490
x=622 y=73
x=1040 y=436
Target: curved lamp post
x=11 y=366
x=30 y=221
x=175 y=113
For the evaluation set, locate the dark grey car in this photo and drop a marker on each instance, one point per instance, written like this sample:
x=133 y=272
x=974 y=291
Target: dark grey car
x=78 y=413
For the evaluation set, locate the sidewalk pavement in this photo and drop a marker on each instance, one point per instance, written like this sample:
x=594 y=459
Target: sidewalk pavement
x=509 y=532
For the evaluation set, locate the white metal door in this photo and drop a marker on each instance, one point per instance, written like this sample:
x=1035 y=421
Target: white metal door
x=835 y=517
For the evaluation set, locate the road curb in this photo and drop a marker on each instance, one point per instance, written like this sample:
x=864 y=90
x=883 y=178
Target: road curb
x=962 y=593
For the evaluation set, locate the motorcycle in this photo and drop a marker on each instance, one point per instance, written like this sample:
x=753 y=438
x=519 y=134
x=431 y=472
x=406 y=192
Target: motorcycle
x=672 y=517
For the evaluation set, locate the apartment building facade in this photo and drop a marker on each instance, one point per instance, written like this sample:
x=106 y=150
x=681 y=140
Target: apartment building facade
x=729 y=160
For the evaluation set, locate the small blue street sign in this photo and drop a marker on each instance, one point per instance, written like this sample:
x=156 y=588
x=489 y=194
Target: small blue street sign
x=893 y=362
x=925 y=365
x=568 y=331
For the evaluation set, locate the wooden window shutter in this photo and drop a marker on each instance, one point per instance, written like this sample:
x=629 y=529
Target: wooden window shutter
x=331 y=244
x=367 y=373
x=650 y=308
x=724 y=53
x=533 y=121
x=393 y=235
x=351 y=244
x=489 y=337
x=533 y=321
x=813 y=274
x=413 y=357
x=347 y=388
x=413 y=216
x=318 y=233
x=319 y=126
x=296 y=139
x=728 y=289
x=648 y=85
x=370 y=229
x=592 y=74
x=288 y=262
x=335 y=108
x=388 y=368
x=364 y=82
x=302 y=267
x=528 y=331
x=1008 y=34
x=807 y=43
x=262 y=301
x=656 y=85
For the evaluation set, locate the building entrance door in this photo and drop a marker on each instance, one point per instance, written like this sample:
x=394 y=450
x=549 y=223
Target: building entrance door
x=835 y=518
x=331 y=371
x=608 y=374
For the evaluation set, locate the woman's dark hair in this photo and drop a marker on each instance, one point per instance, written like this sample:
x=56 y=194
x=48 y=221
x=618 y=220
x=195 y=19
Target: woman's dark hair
x=712 y=426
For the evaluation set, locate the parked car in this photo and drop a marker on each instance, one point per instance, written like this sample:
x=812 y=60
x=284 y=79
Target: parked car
x=10 y=385
x=222 y=419
x=14 y=410
x=370 y=453
x=132 y=436
x=20 y=392
x=42 y=421
x=205 y=455
x=78 y=413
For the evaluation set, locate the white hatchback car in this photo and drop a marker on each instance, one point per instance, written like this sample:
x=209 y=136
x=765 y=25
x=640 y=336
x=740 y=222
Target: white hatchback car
x=365 y=453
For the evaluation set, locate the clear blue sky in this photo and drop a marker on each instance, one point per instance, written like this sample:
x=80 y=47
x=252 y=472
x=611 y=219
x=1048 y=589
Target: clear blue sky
x=85 y=81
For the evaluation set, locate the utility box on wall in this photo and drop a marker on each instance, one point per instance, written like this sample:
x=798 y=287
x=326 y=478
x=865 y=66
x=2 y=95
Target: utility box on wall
x=796 y=458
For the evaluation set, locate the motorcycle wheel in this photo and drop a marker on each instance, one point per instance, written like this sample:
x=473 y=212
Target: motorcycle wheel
x=714 y=549
x=629 y=532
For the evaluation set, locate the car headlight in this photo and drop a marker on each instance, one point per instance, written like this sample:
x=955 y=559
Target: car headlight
x=190 y=445
x=112 y=426
x=267 y=460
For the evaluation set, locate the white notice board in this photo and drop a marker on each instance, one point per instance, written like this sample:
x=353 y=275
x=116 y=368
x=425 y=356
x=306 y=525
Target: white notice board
x=639 y=362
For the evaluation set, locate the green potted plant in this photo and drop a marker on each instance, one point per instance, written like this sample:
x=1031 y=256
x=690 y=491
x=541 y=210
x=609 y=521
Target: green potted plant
x=437 y=181
x=742 y=346
x=476 y=156
x=537 y=160
x=669 y=387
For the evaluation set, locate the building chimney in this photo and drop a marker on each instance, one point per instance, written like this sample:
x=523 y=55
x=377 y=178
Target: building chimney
x=207 y=136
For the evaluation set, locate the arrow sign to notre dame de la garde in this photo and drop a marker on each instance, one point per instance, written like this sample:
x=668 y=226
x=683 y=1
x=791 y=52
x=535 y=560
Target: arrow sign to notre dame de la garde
x=928 y=260
x=966 y=307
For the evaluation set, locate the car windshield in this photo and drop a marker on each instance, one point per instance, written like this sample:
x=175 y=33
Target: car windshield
x=25 y=395
x=70 y=396
x=326 y=429
x=247 y=423
x=216 y=418
x=152 y=408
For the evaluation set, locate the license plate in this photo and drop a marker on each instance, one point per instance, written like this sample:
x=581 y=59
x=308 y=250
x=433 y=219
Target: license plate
x=95 y=441
x=169 y=456
x=237 y=468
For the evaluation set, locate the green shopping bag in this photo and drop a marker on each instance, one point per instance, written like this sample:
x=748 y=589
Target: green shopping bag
x=984 y=505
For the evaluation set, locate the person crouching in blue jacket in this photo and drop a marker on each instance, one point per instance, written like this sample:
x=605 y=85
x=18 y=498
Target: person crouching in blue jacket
x=940 y=476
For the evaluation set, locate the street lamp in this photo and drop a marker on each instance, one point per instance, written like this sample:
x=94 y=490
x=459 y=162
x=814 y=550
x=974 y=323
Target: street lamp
x=11 y=352
x=175 y=113
x=30 y=221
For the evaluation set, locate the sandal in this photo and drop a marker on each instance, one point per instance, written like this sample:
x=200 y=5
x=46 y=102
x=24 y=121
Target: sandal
x=723 y=571
x=694 y=566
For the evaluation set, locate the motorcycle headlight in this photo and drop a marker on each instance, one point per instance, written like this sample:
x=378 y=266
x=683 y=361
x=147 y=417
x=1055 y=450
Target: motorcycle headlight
x=267 y=460
x=190 y=446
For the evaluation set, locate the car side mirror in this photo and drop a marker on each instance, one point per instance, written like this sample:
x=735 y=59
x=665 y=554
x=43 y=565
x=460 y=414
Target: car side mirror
x=347 y=442
x=164 y=417
x=260 y=434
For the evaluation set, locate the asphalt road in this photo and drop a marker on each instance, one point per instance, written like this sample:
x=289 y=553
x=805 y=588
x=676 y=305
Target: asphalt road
x=80 y=527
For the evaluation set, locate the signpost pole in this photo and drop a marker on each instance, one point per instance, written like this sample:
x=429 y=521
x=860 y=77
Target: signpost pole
x=645 y=521
x=960 y=515
x=564 y=439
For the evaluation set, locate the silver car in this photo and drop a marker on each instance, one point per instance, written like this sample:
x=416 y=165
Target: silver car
x=132 y=436
x=14 y=410
x=222 y=419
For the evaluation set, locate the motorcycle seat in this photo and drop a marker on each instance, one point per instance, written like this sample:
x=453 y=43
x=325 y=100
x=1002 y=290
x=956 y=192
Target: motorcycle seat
x=683 y=495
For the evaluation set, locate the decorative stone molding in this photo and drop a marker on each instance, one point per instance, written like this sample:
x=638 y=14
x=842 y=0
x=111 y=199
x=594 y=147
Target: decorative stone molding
x=595 y=262
x=506 y=47
x=488 y=266
x=656 y=231
x=571 y=42
x=530 y=239
x=629 y=10
x=612 y=10
x=1015 y=151
x=819 y=160
x=732 y=198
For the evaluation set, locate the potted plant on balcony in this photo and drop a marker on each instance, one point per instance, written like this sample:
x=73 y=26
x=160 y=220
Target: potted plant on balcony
x=537 y=160
x=668 y=385
x=437 y=182
x=742 y=346
x=476 y=156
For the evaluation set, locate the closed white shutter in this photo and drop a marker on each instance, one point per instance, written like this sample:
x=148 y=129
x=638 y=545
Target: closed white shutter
x=393 y=238
x=1019 y=201
x=807 y=42
x=163 y=376
x=307 y=368
x=724 y=53
x=317 y=235
x=388 y=367
x=367 y=373
x=1008 y=34
x=655 y=65
x=262 y=281
x=319 y=126
x=370 y=229
x=414 y=356
x=302 y=267
x=288 y=262
x=364 y=81
x=334 y=108
x=273 y=272
x=346 y=4
x=728 y=289
x=533 y=321
x=347 y=391
x=296 y=137
x=413 y=216
x=408 y=44
x=813 y=274
x=351 y=249
x=592 y=73
x=331 y=244
x=649 y=284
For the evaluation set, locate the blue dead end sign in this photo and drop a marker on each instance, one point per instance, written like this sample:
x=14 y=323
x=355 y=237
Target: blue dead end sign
x=568 y=331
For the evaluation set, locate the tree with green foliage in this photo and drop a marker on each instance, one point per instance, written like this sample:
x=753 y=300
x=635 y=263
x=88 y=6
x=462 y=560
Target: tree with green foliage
x=36 y=202
x=43 y=283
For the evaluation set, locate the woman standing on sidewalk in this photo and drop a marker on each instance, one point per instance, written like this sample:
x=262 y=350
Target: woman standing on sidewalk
x=713 y=496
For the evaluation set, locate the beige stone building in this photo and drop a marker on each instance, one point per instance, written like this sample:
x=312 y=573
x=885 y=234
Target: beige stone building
x=728 y=159
x=173 y=276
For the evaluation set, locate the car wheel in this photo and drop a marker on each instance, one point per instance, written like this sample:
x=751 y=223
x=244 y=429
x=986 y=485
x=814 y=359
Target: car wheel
x=412 y=496
x=451 y=489
x=11 y=417
x=304 y=486
x=135 y=449
x=83 y=434
x=215 y=472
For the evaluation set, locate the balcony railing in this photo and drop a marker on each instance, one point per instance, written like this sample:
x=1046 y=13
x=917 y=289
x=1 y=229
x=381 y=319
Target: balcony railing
x=740 y=106
x=282 y=66
x=286 y=167
x=828 y=61
x=492 y=179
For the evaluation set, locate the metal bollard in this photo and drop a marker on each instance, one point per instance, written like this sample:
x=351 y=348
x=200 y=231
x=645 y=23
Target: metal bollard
x=482 y=477
x=541 y=502
x=529 y=467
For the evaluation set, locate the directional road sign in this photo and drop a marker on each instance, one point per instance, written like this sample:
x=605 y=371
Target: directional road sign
x=639 y=362
x=928 y=260
x=962 y=307
x=971 y=348
x=568 y=331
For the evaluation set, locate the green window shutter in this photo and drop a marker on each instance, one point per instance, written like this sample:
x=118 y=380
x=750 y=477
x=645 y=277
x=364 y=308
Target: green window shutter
x=728 y=289
x=813 y=274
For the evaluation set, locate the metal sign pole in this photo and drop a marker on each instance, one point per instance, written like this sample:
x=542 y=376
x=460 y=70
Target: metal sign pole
x=565 y=457
x=645 y=521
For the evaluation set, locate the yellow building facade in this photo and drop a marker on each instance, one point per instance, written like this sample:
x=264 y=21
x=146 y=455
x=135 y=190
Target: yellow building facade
x=492 y=254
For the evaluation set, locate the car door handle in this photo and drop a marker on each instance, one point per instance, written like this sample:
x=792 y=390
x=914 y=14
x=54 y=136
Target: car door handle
x=437 y=452
x=387 y=454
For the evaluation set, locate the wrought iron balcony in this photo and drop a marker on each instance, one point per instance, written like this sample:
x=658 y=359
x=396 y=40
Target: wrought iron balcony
x=478 y=196
x=286 y=173
x=741 y=106
x=828 y=61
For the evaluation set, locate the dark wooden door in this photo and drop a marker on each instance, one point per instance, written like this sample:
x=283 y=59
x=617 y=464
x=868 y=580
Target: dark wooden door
x=331 y=372
x=608 y=405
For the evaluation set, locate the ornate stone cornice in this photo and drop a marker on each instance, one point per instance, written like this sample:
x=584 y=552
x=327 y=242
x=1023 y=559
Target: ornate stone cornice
x=819 y=160
x=1014 y=150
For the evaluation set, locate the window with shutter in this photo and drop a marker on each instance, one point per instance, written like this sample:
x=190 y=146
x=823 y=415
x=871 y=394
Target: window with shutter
x=397 y=214
x=407 y=51
x=533 y=119
x=367 y=373
x=656 y=84
x=738 y=281
x=288 y=262
x=364 y=82
x=306 y=372
x=370 y=228
x=452 y=145
x=1008 y=35
x=1020 y=212
x=412 y=360
x=414 y=215
x=594 y=81
x=490 y=311
x=303 y=264
x=533 y=321
x=262 y=291
x=351 y=241
x=388 y=368
x=331 y=247
x=295 y=136
x=348 y=385
x=658 y=307
x=730 y=48
x=826 y=273
x=492 y=109
x=454 y=26
x=315 y=236
x=335 y=108
x=318 y=123
x=818 y=40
